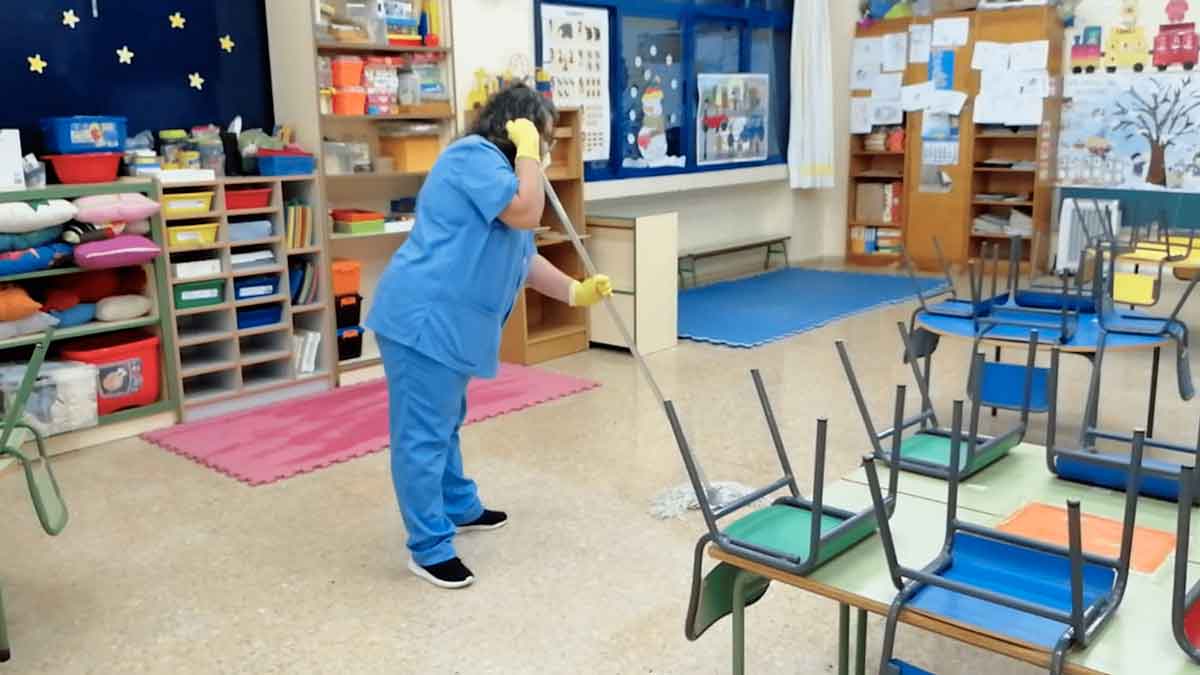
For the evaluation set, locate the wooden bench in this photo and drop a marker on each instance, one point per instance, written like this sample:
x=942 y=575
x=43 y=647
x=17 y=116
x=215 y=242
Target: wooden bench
x=775 y=244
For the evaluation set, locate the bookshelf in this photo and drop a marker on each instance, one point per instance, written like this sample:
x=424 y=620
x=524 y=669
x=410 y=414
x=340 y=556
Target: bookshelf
x=295 y=49
x=221 y=367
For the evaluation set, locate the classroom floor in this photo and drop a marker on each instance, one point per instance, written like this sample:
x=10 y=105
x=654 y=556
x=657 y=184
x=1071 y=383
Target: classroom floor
x=168 y=567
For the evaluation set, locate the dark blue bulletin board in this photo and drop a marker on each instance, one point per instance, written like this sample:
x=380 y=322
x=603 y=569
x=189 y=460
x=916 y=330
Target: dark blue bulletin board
x=83 y=74
x=658 y=48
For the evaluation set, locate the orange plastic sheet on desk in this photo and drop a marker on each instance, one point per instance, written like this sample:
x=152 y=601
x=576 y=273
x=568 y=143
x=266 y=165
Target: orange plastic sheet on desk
x=1101 y=536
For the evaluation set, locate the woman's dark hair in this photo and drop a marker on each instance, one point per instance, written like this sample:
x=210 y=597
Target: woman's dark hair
x=512 y=102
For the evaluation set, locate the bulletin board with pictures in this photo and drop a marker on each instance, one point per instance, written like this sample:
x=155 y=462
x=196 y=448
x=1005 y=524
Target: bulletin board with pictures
x=644 y=99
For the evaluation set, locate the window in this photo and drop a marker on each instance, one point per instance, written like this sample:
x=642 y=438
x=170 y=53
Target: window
x=657 y=50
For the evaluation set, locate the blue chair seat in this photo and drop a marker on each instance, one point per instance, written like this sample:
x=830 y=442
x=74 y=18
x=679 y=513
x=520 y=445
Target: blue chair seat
x=1016 y=572
x=1003 y=386
x=1051 y=300
x=1115 y=478
x=903 y=668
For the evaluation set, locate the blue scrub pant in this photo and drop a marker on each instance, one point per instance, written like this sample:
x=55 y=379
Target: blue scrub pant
x=427 y=403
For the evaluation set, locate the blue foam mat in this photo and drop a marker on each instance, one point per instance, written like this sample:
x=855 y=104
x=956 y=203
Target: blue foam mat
x=775 y=305
x=1016 y=572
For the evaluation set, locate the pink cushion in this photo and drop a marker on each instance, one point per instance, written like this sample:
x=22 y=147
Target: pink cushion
x=121 y=251
x=101 y=209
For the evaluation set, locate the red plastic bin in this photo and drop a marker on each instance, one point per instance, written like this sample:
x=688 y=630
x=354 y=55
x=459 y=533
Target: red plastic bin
x=87 y=167
x=128 y=364
x=256 y=198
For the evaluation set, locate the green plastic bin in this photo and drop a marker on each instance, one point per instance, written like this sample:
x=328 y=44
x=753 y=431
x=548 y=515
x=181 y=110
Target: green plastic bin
x=199 y=294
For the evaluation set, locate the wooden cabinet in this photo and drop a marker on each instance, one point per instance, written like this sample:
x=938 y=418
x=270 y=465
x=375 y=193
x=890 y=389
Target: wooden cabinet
x=639 y=254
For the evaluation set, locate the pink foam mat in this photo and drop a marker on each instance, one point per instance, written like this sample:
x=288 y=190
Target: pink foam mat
x=274 y=442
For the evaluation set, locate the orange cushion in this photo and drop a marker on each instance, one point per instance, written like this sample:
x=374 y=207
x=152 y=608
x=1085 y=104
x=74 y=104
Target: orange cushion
x=15 y=304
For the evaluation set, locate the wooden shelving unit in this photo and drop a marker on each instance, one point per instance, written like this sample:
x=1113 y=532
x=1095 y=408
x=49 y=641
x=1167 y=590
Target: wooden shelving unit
x=295 y=50
x=16 y=349
x=540 y=329
x=216 y=361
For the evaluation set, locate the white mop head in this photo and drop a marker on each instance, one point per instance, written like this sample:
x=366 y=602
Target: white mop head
x=677 y=501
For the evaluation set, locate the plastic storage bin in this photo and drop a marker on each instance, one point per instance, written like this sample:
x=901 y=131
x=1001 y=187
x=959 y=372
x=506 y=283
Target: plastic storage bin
x=348 y=309
x=347 y=276
x=84 y=133
x=196 y=268
x=347 y=71
x=243 y=230
x=63 y=397
x=90 y=167
x=199 y=294
x=255 y=198
x=411 y=154
x=284 y=163
x=185 y=236
x=249 y=288
x=184 y=204
x=127 y=366
x=349 y=343
x=350 y=101
x=257 y=317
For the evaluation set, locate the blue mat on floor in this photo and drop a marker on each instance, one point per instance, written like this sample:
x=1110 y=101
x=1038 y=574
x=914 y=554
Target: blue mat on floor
x=772 y=306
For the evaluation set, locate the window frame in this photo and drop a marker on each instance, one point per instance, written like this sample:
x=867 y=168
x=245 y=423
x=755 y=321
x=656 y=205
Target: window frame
x=687 y=13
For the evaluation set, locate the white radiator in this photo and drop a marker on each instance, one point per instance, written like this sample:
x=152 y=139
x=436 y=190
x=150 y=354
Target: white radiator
x=1076 y=225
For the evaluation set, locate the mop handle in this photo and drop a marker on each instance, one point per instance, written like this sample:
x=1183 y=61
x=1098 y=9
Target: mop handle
x=608 y=303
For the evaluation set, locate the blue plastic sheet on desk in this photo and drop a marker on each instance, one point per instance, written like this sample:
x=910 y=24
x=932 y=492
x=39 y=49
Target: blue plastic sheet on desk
x=1116 y=478
x=1016 y=572
x=772 y=306
x=1087 y=331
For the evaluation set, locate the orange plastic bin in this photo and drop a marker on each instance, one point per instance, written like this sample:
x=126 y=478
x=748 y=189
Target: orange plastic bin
x=128 y=364
x=347 y=71
x=347 y=276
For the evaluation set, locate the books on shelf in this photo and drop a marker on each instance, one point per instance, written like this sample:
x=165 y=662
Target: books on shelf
x=305 y=348
x=992 y=224
x=879 y=203
x=872 y=240
x=298 y=226
x=302 y=279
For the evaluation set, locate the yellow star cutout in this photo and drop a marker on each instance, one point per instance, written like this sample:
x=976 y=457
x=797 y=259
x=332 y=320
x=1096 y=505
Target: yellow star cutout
x=227 y=43
x=36 y=64
x=195 y=81
x=124 y=55
x=70 y=18
x=177 y=20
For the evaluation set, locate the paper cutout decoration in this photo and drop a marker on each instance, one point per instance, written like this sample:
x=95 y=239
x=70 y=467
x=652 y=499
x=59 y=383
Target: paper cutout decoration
x=227 y=43
x=124 y=55
x=36 y=64
x=70 y=19
x=195 y=81
x=177 y=20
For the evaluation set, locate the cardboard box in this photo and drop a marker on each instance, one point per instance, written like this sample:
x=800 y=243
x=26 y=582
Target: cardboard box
x=953 y=5
x=870 y=203
x=12 y=169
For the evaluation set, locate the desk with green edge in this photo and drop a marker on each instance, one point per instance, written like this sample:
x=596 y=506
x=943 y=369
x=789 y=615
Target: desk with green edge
x=1139 y=634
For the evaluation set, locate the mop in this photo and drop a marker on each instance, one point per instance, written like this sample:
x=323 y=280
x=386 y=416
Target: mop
x=675 y=501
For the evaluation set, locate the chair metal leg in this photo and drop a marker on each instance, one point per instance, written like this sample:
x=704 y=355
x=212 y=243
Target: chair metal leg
x=1150 y=411
x=739 y=621
x=843 y=640
x=5 y=652
x=860 y=642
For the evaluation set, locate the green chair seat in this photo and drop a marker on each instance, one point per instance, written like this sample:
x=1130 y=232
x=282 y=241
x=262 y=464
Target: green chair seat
x=785 y=529
x=931 y=448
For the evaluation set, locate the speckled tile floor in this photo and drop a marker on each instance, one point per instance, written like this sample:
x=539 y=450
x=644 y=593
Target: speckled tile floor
x=167 y=567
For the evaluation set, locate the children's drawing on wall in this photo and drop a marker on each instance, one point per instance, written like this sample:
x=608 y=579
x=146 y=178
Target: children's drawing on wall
x=575 y=55
x=653 y=101
x=732 y=124
x=1118 y=40
x=1132 y=131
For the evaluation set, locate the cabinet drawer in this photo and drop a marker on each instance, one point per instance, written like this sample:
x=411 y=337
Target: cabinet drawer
x=604 y=331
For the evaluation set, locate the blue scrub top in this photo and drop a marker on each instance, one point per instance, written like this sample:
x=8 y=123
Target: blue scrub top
x=448 y=290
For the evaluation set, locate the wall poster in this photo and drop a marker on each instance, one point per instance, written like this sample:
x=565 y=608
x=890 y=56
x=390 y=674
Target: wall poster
x=732 y=124
x=575 y=54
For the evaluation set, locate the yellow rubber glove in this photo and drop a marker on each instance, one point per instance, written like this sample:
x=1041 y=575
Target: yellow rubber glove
x=590 y=291
x=526 y=137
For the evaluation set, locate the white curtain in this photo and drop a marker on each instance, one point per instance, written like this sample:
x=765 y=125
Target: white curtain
x=811 y=136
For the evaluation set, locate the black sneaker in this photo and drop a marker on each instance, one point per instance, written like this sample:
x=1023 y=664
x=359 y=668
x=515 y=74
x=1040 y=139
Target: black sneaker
x=449 y=574
x=490 y=520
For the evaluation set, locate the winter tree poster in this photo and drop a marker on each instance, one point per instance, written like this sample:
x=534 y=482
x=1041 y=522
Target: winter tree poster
x=575 y=54
x=1131 y=130
x=732 y=124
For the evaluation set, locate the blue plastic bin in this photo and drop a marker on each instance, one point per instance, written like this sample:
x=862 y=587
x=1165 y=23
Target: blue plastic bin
x=286 y=165
x=256 y=317
x=84 y=133
x=261 y=286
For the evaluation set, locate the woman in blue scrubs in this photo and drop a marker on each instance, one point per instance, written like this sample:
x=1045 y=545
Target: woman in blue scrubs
x=440 y=307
